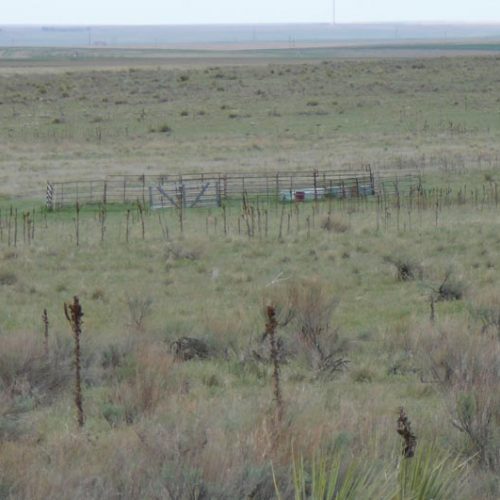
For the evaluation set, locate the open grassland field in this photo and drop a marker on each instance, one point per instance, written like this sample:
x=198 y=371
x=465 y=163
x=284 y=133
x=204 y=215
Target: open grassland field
x=379 y=303
x=83 y=123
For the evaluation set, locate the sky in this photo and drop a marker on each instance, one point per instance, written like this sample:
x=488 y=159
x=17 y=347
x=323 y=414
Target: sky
x=157 y=12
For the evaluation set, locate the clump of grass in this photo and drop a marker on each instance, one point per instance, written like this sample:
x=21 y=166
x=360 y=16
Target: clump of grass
x=165 y=128
x=140 y=392
x=307 y=308
x=334 y=223
x=187 y=348
x=139 y=309
x=362 y=374
x=23 y=358
x=464 y=363
x=175 y=251
x=450 y=288
x=486 y=308
x=7 y=278
x=430 y=474
x=98 y=294
x=19 y=354
x=332 y=477
x=406 y=268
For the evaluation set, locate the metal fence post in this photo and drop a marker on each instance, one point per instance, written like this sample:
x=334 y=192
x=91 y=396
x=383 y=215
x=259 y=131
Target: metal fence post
x=50 y=196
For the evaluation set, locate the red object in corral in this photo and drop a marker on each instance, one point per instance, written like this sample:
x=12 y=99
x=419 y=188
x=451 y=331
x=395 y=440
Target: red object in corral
x=300 y=196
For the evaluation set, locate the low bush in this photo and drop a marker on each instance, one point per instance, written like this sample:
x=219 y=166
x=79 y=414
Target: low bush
x=466 y=366
x=7 y=278
x=406 y=268
x=335 y=223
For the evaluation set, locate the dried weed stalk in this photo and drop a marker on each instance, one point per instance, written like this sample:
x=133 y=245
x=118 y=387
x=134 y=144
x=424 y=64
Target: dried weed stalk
x=404 y=430
x=74 y=315
x=77 y=223
x=140 y=210
x=45 y=319
x=140 y=309
x=312 y=308
x=271 y=327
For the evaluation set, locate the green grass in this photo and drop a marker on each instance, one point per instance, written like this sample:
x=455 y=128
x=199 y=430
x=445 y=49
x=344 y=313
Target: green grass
x=70 y=123
x=156 y=427
x=217 y=295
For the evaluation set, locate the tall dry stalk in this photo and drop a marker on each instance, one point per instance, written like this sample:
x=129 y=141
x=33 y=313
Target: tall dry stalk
x=15 y=227
x=24 y=227
x=45 y=319
x=180 y=209
x=9 y=226
x=247 y=215
x=33 y=225
x=432 y=302
x=404 y=430
x=74 y=315
x=164 y=227
x=140 y=209
x=102 y=220
x=224 y=218
x=127 y=225
x=271 y=327
x=280 y=234
x=77 y=223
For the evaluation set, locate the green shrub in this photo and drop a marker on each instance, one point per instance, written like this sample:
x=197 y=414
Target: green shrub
x=430 y=474
x=329 y=478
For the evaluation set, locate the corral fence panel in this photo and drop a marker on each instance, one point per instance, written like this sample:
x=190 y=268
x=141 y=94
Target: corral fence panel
x=215 y=189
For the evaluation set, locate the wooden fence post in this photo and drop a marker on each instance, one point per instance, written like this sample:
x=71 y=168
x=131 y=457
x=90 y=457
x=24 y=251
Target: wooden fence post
x=217 y=194
x=277 y=186
x=150 y=196
x=372 y=180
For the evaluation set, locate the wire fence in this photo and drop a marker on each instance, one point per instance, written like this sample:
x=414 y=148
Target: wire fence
x=216 y=189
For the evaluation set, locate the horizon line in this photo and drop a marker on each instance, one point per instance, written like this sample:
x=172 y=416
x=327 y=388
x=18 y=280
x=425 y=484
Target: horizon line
x=290 y=23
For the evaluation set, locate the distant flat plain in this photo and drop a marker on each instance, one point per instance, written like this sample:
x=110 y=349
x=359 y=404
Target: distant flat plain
x=84 y=112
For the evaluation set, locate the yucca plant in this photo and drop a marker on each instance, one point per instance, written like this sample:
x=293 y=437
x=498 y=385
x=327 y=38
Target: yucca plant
x=430 y=474
x=331 y=478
